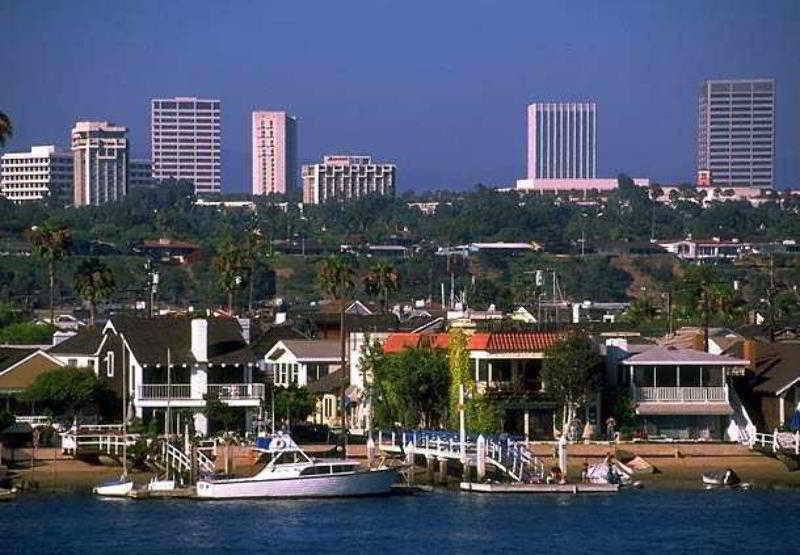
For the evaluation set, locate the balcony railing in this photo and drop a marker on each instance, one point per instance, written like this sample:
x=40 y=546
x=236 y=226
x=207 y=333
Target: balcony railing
x=164 y=391
x=233 y=391
x=226 y=391
x=680 y=394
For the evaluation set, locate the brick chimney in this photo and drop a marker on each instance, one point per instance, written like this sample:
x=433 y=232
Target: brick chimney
x=749 y=353
x=200 y=339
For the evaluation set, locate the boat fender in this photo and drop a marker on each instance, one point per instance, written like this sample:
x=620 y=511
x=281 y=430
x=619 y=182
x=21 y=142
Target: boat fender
x=279 y=444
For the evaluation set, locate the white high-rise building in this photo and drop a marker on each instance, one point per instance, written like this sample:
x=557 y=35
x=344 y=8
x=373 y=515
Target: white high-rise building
x=342 y=178
x=100 y=162
x=274 y=142
x=562 y=140
x=41 y=173
x=736 y=131
x=186 y=141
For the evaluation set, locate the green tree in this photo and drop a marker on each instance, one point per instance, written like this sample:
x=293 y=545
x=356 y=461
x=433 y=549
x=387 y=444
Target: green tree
x=481 y=415
x=51 y=244
x=219 y=412
x=381 y=280
x=6 y=129
x=27 y=333
x=94 y=280
x=294 y=403
x=72 y=392
x=572 y=373
x=233 y=268
x=411 y=388
x=337 y=282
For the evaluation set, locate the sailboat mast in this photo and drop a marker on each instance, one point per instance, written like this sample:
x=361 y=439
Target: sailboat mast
x=124 y=411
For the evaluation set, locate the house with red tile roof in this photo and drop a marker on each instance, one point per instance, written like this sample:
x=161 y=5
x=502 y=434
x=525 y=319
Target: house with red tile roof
x=507 y=367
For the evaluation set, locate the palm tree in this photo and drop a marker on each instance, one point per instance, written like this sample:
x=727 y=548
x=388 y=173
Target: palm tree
x=94 y=280
x=232 y=267
x=6 y=129
x=51 y=244
x=382 y=280
x=254 y=250
x=337 y=281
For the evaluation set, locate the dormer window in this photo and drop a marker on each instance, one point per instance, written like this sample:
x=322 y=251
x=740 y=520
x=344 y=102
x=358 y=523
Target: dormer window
x=110 y=364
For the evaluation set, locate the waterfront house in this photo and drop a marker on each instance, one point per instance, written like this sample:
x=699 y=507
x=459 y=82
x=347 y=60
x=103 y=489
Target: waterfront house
x=314 y=364
x=18 y=369
x=685 y=393
x=770 y=387
x=181 y=363
x=507 y=368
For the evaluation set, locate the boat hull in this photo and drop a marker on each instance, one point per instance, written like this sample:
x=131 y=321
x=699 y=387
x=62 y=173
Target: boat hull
x=373 y=482
x=116 y=489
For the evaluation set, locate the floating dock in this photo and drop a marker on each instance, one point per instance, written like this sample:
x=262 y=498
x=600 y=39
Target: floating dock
x=539 y=488
x=183 y=493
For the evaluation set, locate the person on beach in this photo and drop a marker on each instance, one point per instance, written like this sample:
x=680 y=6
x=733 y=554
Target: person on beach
x=611 y=425
x=585 y=472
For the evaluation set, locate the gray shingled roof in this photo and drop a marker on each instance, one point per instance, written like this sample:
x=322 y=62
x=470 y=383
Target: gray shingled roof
x=10 y=356
x=150 y=338
x=86 y=341
x=312 y=349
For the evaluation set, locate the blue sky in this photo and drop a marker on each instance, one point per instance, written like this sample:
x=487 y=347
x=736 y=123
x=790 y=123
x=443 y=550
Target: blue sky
x=439 y=87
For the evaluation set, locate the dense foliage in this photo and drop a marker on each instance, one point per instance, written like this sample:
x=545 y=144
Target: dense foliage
x=73 y=392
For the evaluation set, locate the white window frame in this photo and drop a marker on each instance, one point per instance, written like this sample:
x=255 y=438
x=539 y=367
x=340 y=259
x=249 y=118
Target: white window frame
x=110 y=364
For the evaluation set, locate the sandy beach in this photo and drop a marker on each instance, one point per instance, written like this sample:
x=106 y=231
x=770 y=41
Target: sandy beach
x=679 y=466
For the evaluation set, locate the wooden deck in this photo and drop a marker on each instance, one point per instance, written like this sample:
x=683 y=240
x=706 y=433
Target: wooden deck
x=539 y=488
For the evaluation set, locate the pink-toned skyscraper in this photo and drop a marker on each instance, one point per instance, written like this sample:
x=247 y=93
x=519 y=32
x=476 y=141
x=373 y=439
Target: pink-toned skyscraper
x=274 y=152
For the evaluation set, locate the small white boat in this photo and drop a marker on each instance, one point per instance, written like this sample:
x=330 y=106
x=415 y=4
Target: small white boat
x=725 y=477
x=115 y=488
x=290 y=472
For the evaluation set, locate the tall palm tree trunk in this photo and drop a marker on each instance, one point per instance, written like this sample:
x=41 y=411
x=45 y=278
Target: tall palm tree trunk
x=230 y=302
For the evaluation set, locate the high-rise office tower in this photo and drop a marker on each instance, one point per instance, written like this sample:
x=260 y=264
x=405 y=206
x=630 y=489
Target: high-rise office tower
x=274 y=152
x=562 y=140
x=185 y=139
x=100 y=162
x=736 y=131
x=41 y=173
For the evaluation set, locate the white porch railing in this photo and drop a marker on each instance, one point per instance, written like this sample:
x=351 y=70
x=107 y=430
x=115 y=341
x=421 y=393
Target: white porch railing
x=233 y=391
x=225 y=391
x=680 y=394
x=164 y=391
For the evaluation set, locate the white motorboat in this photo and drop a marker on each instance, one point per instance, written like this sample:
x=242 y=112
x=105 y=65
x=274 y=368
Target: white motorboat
x=290 y=472
x=115 y=488
x=161 y=485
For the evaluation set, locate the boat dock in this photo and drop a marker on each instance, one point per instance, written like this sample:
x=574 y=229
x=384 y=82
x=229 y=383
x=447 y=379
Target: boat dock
x=539 y=488
x=183 y=493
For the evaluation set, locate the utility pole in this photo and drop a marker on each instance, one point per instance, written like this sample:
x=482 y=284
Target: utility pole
x=705 y=317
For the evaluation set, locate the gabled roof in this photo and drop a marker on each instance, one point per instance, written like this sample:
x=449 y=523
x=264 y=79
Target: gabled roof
x=10 y=356
x=149 y=340
x=85 y=342
x=308 y=349
x=776 y=366
x=672 y=355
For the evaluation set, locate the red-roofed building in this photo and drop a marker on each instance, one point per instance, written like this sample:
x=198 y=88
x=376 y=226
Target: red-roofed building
x=508 y=367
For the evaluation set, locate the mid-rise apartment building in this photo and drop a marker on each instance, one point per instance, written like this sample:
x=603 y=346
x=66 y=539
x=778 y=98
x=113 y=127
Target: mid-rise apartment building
x=43 y=172
x=186 y=141
x=274 y=142
x=562 y=140
x=736 y=131
x=342 y=178
x=100 y=162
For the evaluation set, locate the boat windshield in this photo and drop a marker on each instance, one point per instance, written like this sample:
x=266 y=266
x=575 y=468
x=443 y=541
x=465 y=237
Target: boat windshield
x=290 y=457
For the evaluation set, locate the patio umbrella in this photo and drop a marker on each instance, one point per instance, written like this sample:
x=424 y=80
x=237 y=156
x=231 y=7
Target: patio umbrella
x=795 y=424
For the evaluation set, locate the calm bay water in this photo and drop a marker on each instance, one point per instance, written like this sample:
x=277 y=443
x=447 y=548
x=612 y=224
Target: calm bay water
x=440 y=522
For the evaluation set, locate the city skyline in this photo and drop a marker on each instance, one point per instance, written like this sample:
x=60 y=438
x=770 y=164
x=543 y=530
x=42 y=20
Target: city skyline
x=450 y=112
